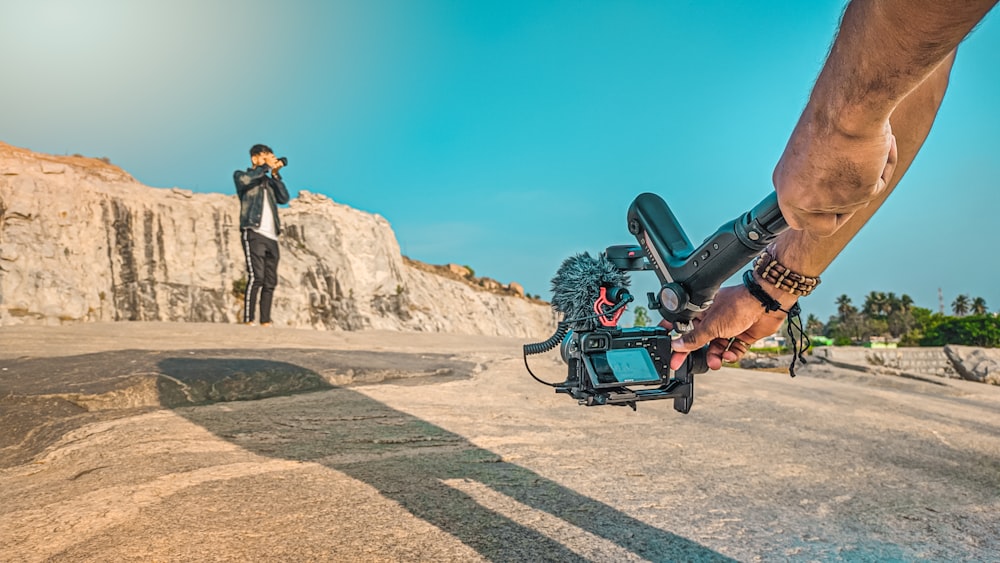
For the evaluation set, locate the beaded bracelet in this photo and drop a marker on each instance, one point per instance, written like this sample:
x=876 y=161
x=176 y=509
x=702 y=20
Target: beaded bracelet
x=796 y=331
x=777 y=274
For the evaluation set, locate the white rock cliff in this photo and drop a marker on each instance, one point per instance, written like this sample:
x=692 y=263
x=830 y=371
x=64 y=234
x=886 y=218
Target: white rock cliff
x=81 y=240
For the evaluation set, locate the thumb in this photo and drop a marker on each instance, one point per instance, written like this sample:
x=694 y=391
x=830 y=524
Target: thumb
x=891 y=160
x=691 y=341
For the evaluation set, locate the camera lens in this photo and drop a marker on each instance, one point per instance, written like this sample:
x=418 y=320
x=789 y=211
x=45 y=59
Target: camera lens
x=284 y=160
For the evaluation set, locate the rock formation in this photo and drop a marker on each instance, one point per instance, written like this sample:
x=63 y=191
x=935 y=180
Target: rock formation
x=81 y=240
x=975 y=364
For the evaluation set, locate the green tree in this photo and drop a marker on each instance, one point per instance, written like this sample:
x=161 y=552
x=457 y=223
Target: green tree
x=924 y=320
x=899 y=322
x=844 y=307
x=876 y=305
x=960 y=306
x=898 y=314
x=850 y=328
x=893 y=304
x=979 y=306
x=975 y=330
x=641 y=316
x=881 y=315
x=906 y=302
x=814 y=326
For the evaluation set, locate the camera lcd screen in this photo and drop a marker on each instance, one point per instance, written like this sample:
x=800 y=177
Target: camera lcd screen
x=626 y=366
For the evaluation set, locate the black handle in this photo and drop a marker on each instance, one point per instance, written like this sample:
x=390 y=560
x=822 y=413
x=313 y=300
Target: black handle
x=691 y=277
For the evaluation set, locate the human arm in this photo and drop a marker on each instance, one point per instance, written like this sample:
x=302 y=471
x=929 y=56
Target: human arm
x=280 y=191
x=736 y=313
x=277 y=184
x=843 y=154
x=246 y=180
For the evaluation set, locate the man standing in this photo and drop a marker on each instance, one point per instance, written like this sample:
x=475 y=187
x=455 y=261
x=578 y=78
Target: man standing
x=259 y=228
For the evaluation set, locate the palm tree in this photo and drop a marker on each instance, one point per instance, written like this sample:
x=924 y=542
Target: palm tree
x=960 y=305
x=900 y=318
x=814 y=326
x=875 y=304
x=979 y=306
x=906 y=302
x=844 y=307
x=892 y=304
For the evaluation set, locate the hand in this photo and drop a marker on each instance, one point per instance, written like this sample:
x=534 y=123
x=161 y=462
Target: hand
x=734 y=314
x=275 y=163
x=826 y=175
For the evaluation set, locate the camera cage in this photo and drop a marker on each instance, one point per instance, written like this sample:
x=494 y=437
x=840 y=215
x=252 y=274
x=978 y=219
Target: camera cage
x=689 y=276
x=610 y=365
x=622 y=366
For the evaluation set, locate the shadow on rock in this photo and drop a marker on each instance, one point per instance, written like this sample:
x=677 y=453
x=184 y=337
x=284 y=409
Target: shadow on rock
x=436 y=475
x=41 y=399
x=192 y=381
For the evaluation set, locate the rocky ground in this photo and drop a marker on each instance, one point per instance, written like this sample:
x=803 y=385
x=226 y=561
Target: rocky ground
x=215 y=442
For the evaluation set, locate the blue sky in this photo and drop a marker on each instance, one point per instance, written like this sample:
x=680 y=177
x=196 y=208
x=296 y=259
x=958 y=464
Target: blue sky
x=502 y=135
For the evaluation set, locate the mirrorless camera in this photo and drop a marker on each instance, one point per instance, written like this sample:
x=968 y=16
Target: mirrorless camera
x=609 y=365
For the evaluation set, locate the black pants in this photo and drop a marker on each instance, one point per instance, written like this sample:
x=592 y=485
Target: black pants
x=262 y=274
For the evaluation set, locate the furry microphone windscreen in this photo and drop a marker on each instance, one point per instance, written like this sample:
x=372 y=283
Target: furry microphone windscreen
x=577 y=285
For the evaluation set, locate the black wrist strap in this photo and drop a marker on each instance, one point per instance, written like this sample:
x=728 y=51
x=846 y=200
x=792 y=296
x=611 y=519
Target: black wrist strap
x=802 y=342
x=769 y=303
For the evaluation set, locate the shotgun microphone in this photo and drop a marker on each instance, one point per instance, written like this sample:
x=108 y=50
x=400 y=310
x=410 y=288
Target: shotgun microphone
x=586 y=288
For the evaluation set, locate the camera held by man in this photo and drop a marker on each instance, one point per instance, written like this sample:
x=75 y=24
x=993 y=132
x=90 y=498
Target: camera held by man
x=609 y=365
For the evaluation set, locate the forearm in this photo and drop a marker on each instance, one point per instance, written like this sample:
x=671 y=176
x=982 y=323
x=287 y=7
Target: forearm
x=857 y=91
x=279 y=189
x=911 y=122
x=737 y=318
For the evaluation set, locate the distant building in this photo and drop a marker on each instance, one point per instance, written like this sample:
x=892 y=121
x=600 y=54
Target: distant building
x=775 y=340
x=881 y=342
x=821 y=340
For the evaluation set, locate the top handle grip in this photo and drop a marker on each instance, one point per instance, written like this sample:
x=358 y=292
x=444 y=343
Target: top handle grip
x=691 y=277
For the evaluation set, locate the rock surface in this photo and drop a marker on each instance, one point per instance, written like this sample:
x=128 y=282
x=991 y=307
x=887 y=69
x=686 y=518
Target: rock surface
x=475 y=462
x=975 y=364
x=81 y=240
x=927 y=361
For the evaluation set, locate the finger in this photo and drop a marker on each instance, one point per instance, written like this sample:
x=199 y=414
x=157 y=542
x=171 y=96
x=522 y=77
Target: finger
x=699 y=336
x=732 y=355
x=713 y=358
x=714 y=353
x=818 y=224
x=734 y=350
x=890 y=164
x=843 y=218
x=677 y=359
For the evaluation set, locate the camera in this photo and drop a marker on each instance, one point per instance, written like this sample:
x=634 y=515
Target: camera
x=283 y=160
x=615 y=366
x=609 y=365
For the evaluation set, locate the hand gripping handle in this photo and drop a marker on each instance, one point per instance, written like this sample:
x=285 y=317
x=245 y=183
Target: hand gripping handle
x=690 y=276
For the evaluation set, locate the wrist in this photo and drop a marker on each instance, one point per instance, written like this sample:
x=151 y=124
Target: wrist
x=784 y=299
x=778 y=274
x=833 y=117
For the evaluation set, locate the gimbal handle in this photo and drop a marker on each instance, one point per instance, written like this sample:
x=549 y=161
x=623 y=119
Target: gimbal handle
x=691 y=277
